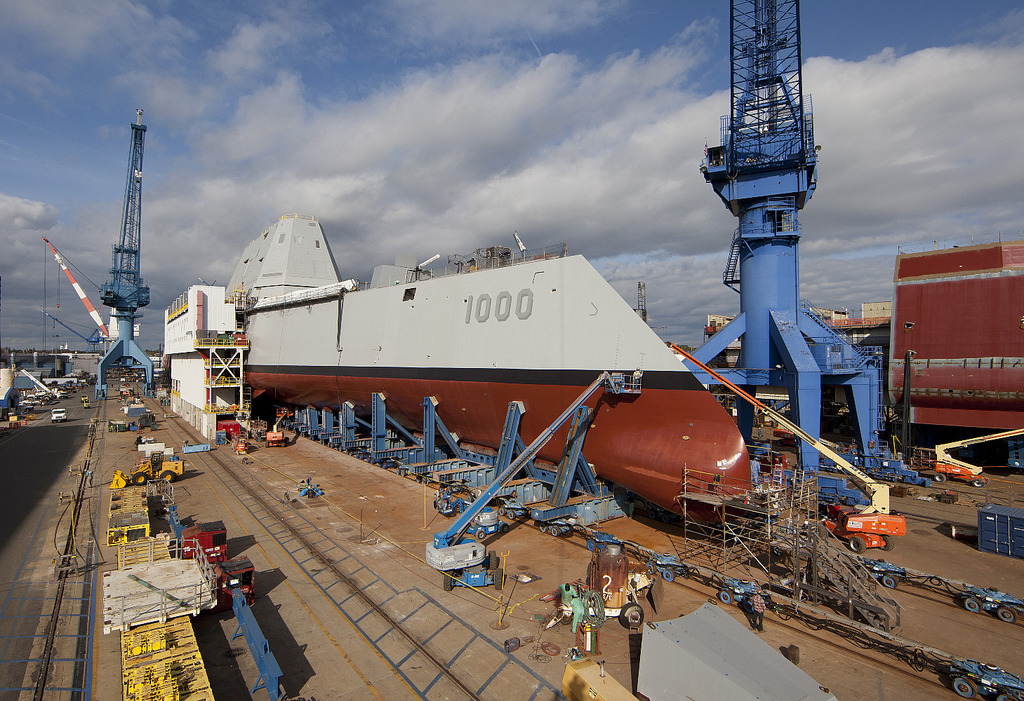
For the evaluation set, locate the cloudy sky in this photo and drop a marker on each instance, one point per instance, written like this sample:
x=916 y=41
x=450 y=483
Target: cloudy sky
x=439 y=126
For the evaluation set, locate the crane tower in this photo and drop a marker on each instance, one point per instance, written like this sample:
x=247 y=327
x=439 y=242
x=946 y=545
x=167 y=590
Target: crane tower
x=765 y=172
x=125 y=292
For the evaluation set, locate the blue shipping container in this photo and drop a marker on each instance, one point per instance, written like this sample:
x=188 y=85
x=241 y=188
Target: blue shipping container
x=1001 y=530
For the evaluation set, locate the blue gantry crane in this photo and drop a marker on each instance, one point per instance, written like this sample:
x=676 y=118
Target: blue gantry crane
x=125 y=293
x=765 y=171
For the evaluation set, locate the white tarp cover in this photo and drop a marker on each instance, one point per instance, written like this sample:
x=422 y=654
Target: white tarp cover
x=709 y=656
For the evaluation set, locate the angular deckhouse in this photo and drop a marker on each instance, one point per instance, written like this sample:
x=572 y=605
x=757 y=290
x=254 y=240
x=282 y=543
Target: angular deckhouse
x=536 y=327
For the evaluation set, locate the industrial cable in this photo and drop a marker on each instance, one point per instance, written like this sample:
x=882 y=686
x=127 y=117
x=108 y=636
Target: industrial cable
x=62 y=579
x=593 y=609
x=56 y=528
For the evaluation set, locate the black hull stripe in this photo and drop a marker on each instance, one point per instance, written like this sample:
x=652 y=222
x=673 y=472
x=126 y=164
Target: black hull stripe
x=653 y=379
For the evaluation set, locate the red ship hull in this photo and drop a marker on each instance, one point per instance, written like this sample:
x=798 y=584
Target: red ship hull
x=642 y=442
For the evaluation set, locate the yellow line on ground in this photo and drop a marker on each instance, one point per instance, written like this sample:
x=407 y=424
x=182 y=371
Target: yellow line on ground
x=320 y=623
x=334 y=507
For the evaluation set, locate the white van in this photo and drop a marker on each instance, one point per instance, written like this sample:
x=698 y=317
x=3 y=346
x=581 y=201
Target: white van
x=58 y=415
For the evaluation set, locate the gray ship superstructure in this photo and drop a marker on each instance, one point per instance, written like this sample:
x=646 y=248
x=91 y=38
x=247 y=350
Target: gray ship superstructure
x=536 y=327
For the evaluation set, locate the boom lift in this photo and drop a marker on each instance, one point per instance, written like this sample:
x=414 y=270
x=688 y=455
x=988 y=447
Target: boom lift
x=871 y=527
x=38 y=384
x=462 y=560
x=946 y=466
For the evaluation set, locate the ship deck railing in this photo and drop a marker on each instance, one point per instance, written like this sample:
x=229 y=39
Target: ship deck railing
x=973 y=240
x=491 y=258
x=458 y=264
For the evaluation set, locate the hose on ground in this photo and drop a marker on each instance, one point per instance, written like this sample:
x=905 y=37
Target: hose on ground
x=593 y=609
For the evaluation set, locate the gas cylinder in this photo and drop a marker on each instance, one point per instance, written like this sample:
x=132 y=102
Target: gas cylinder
x=608 y=574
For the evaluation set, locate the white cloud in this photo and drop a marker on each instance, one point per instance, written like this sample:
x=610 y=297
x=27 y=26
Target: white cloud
x=255 y=47
x=606 y=159
x=25 y=214
x=916 y=135
x=448 y=156
x=74 y=30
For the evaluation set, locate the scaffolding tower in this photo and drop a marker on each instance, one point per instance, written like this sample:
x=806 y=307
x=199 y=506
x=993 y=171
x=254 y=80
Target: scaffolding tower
x=752 y=526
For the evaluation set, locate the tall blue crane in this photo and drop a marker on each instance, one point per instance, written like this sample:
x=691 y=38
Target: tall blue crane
x=125 y=293
x=765 y=171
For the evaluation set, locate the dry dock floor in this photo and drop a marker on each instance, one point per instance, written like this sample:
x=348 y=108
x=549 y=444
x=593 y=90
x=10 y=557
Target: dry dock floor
x=373 y=526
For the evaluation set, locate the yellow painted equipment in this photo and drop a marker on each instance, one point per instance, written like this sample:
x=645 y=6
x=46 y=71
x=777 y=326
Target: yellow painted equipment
x=586 y=680
x=128 y=518
x=162 y=661
x=949 y=467
x=144 y=551
x=151 y=468
x=127 y=527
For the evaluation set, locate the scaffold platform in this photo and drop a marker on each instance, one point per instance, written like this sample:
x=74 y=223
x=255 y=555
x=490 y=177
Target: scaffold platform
x=156 y=592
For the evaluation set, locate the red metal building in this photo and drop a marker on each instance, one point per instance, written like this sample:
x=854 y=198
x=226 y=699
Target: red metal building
x=960 y=310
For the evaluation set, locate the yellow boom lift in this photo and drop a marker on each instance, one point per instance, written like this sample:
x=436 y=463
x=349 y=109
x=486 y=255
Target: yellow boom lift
x=871 y=527
x=948 y=467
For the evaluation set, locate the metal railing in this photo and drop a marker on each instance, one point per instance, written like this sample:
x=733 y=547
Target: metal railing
x=231 y=341
x=487 y=259
x=974 y=240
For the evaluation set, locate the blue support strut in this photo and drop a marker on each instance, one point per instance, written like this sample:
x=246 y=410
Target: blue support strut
x=266 y=663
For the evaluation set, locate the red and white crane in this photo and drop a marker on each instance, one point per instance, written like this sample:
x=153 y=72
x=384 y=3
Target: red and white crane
x=81 y=293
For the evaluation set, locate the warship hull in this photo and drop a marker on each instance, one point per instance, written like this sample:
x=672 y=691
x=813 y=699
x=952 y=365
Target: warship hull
x=538 y=330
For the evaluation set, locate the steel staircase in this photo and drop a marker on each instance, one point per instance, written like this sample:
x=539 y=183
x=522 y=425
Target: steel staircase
x=731 y=276
x=841 y=577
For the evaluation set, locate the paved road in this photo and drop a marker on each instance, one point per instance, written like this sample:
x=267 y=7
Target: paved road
x=33 y=468
x=32 y=459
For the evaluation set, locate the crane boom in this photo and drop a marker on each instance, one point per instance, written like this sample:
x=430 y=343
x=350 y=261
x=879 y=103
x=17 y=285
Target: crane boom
x=876 y=491
x=942 y=455
x=95 y=338
x=79 y=291
x=125 y=292
x=458 y=529
x=37 y=383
